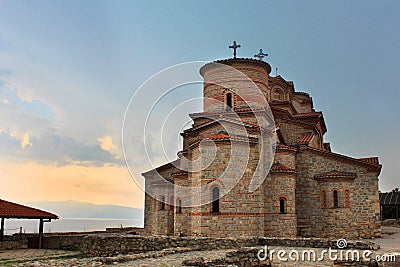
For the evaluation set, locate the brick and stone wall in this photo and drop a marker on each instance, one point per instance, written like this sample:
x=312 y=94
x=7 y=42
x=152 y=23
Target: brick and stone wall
x=16 y=241
x=114 y=244
x=358 y=220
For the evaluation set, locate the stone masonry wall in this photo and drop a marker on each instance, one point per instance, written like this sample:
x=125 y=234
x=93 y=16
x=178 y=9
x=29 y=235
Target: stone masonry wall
x=159 y=221
x=112 y=244
x=240 y=210
x=359 y=220
x=280 y=186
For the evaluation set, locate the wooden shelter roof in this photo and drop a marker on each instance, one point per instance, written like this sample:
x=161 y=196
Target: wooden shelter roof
x=390 y=198
x=18 y=211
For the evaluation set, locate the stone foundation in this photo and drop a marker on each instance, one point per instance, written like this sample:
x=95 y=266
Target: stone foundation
x=14 y=242
x=114 y=244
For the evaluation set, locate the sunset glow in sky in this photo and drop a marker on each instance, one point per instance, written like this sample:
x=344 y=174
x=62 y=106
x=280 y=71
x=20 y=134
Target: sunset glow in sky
x=69 y=68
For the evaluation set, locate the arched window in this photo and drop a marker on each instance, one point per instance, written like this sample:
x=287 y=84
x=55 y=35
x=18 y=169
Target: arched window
x=178 y=206
x=335 y=199
x=162 y=204
x=282 y=206
x=277 y=95
x=215 y=200
x=229 y=101
x=347 y=198
x=323 y=198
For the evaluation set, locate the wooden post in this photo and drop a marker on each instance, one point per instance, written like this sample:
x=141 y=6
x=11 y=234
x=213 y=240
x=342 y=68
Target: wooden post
x=2 y=230
x=40 y=234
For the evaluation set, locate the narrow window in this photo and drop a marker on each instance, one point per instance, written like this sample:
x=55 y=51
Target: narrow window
x=347 y=198
x=278 y=95
x=178 y=206
x=162 y=204
x=229 y=100
x=155 y=204
x=282 y=208
x=335 y=199
x=323 y=198
x=171 y=206
x=215 y=200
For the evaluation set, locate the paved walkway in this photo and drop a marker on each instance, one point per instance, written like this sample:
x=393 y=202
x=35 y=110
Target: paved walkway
x=175 y=260
x=390 y=240
x=7 y=256
x=390 y=243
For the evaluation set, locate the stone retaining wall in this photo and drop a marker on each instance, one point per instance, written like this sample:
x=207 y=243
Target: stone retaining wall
x=114 y=244
x=129 y=230
x=5 y=245
x=14 y=242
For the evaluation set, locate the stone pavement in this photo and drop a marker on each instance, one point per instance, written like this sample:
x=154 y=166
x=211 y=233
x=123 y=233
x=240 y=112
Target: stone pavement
x=390 y=240
x=175 y=260
x=390 y=243
x=37 y=258
x=8 y=256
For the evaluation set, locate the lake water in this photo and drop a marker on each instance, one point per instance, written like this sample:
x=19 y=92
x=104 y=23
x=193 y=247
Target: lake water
x=68 y=225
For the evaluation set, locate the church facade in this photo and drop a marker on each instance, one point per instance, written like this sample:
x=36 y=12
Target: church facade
x=306 y=190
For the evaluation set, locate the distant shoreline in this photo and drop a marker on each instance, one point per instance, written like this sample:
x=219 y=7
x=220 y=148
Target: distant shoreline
x=67 y=225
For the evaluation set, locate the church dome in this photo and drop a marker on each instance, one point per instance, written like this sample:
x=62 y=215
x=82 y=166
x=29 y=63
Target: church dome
x=235 y=83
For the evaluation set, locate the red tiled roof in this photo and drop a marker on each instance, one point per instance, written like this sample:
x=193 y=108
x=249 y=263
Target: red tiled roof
x=306 y=138
x=222 y=136
x=180 y=172
x=277 y=167
x=302 y=93
x=285 y=147
x=235 y=110
x=336 y=174
x=241 y=121
x=372 y=160
x=13 y=210
x=225 y=137
x=308 y=114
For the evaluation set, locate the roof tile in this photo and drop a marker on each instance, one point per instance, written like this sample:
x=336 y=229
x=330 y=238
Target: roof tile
x=336 y=174
x=13 y=210
x=278 y=167
x=306 y=138
x=371 y=160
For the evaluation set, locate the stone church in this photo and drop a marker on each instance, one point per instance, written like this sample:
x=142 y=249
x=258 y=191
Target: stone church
x=305 y=190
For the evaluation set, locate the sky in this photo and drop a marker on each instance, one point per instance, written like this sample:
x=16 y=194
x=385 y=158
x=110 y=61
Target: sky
x=69 y=68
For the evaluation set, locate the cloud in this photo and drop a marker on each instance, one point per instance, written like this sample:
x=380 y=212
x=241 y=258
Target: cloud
x=49 y=148
x=25 y=140
x=28 y=133
x=23 y=115
x=106 y=143
x=35 y=107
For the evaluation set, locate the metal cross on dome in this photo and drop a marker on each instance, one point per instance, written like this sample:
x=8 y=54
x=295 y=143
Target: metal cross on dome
x=234 y=47
x=260 y=55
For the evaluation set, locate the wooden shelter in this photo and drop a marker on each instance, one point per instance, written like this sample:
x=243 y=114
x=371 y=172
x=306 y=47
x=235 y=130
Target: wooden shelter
x=9 y=210
x=390 y=204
